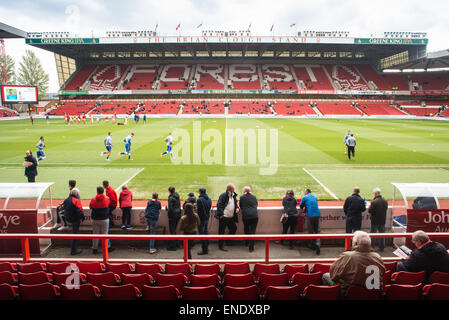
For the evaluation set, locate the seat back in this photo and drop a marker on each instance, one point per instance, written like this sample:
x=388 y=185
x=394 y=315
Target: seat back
x=291 y=269
x=43 y=291
x=266 y=268
x=387 y=277
x=160 y=293
x=238 y=280
x=203 y=280
x=61 y=278
x=239 y=293
x=7 y=277
x=207 y=268
x=125 y=292
x=305 y=279
x=99 y=279
x=138 y=280
x=7 y=266
x=319 y=267
x=200 y=293
x=59 y=267
x=314 y=292
x=236 y=268
x=403 y=292
x=178 y=280
x=437 y=291
x=92 y=267
x=411 y=278
x=152 y=269
x=439 y=277
x=359 y=293
x=30 y=267
x=119 y=268
x=282 y=293
x=390 y=266
x=33 y=278
x=8 y=292
x=266 y=279
x=85 y=291
x=184 y=268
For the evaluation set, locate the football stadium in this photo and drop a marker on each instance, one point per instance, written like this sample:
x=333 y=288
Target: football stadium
x=334 y=146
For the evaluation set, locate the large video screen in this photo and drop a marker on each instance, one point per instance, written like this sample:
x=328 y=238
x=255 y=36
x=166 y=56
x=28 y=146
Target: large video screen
x=19 y=94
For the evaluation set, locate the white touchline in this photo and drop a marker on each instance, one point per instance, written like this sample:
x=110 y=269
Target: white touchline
x=319 y=182
x=132 y=177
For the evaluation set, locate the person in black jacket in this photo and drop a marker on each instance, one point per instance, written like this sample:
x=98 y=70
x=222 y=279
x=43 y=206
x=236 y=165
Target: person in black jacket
x=191 y=199
x=204 y=205
x=354 y=207
x=227 y=210
x=174 y=214
x=429 y=256
x=31 y=170
x=73 y=213
x=378 y=212
x=290 y=205
x=250 y=217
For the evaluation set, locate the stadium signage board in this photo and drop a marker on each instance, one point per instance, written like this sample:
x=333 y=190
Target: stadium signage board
x=12 y=94
x=428 y=221
x=17 y=221
x=62 y=41
x=390 y=41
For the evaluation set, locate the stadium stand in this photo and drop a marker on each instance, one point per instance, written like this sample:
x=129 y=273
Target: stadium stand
x=336 y=108
x=278 y=77
x=175 y=77
x=106 y=77
x=293 y=108
x=244 y=77
x=209 y=77
x=373 y=109
x=77 y=82
x=4 y=113
x=346 y=77
x=141 y=77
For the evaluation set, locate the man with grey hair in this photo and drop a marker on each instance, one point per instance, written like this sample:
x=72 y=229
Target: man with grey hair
x=248 y=205
x=227 y=210
x=378 y=213
x=354 y=267
x=429 y=256
x=354 y=207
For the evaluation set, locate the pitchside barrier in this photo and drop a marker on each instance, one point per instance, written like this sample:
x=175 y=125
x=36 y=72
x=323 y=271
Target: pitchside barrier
x=26 y=238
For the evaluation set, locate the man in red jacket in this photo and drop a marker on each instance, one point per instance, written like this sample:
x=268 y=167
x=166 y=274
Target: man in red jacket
x=100 y=217
x=125 y=199
x=112 y=195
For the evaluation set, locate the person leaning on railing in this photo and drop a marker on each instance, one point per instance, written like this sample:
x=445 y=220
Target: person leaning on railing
x=100 y=217
x=290 y=215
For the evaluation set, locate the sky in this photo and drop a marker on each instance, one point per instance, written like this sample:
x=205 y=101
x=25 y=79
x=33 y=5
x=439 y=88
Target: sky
x=85 y=17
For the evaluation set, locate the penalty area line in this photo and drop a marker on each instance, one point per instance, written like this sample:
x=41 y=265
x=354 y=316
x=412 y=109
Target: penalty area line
x=129 y=179
x=321 y=184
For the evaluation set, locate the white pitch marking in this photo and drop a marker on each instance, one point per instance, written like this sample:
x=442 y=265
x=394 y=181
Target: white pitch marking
x=319 y=182
x=132 y=177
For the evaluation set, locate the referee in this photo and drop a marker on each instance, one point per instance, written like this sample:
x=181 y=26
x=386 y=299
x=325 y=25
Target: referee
x=350 y=142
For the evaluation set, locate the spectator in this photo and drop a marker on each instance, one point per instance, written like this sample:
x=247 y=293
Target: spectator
x=227 y=210
x=113 y=201
x=429 y=256
x=351 y=268
x=191 y=199
x=61 y=223
x=353 y=207
x=378 y=212
x=204 y=204
x=174 y=214
x=73 y=212
x=72 y=186
x=152 y=212
x=289 y=203
x=100 y=217
x=126 y=204
x=189 y=224
x=250 y=217
x=310 y=203
x=30 y=165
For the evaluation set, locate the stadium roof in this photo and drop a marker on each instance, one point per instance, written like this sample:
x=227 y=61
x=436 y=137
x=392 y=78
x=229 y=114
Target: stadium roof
x=8 y=32
x=438 y=59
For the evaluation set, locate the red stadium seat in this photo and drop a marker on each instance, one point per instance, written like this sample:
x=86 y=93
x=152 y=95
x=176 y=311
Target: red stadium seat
x=265 y=268
x=61 y=278
x=99 y=279
x=8 y=292
x=236 y=268
x=403 y=292
x=92 y=267
x=60 y=267
x=436 y=291
x=314 y=292
x=239 y=293
x=390 y=266
x=85 y=291
x=184 y=268
x=43 y=291
x=30 y=267
x=282 y=293
x=160 y=293
x=411 y=278
x=439 y=277
x=152 y=269
x=207 y=268
x=125 y=292
x=204 y=280
x=291 y=269
x=34 y=278
x=138 y=280
x=305 y=279
x=238 y=280
x=6 y=266
x=319 y=267
x=8 y=277
x=359 y=293
x=200 y=293
x=277 y=280
x=119 y=268
x=178 y=280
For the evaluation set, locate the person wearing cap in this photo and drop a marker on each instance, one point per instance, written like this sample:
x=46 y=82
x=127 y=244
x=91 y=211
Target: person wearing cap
x=191 y=199
x=378 y=213
x=204 y=205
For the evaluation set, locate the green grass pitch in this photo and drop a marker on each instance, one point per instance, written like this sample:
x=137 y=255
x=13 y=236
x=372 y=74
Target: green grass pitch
x=387 y=151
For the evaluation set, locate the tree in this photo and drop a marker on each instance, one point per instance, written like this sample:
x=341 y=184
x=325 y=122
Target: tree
x=31 y=73
x=10 y=69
